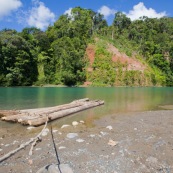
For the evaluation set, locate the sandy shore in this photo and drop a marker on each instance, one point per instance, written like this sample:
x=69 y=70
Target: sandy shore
x=140 y=142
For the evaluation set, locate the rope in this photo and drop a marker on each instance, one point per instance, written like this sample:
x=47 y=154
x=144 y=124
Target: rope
x=57 y=157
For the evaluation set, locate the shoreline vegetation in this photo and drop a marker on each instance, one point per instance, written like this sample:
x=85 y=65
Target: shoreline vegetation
x=81 y=49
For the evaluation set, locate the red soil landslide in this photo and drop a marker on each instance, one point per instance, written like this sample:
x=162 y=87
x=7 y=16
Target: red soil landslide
x=132 y=63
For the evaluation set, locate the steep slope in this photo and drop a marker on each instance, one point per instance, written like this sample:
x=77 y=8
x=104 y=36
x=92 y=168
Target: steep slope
x=131 y=62
x=107 y=66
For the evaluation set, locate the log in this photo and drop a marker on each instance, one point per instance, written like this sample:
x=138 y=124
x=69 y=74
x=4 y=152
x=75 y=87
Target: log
x=42 y=110
x=60 y=114
x=13 y=118
x=8 y=112
x=23 y=114
x=39 y=116
x=43 y=115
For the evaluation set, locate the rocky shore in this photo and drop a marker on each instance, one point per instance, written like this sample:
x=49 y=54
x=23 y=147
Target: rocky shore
x=140 y=142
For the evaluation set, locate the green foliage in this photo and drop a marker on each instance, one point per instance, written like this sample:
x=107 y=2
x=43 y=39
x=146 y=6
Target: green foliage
x=57 y=56
x=103 y=68
x=121 y=21
x=18 y=64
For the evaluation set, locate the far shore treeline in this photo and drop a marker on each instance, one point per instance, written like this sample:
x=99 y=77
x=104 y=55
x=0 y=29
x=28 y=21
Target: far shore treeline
x=58 y=55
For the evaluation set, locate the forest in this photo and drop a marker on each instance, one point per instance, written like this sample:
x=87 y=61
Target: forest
x=58 y=55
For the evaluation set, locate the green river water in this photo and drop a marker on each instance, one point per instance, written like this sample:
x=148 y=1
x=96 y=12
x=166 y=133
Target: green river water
x=117 y=99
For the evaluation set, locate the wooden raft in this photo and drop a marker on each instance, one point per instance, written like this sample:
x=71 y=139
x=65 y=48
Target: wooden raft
x=36 y=117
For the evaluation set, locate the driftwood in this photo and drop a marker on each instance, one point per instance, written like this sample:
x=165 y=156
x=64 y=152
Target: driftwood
x=36 y=117
x=8 y=112
x=22 y=146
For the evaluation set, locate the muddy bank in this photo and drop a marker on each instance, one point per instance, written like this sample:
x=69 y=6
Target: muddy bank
x=142 y=142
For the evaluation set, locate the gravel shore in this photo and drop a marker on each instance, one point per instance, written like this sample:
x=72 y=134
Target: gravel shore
x=140 y=142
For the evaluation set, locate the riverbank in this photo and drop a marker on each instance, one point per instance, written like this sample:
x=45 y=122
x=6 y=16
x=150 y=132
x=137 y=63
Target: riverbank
x=129 y=142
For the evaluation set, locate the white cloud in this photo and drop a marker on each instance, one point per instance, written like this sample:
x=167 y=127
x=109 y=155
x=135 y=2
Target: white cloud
x=106 y=11
x=68 y=11
x=140 y=10
x=7 y=6
x=40 y=16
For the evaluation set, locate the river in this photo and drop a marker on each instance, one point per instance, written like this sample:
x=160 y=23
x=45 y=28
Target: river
x=117 y=99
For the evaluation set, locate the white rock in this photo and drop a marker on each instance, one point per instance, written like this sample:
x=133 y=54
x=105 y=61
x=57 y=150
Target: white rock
x=54 y=131
x=112 y=143
x=75 y=123
x=103 y=133
x=135 y=129
x=14 y=142
x=64 y=126
x=7 y=145
x=72 y=135
x=1 y=149
x=61 y=147
x=92 y=135
x=79 y=140
x=59 y=133
x=37 y=149
x=30 y=128
x=109 y=127
x=45 y=132
x=81 y=121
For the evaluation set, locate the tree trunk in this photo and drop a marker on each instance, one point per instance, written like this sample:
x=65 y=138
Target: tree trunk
x=60 y=114
x=39 y=116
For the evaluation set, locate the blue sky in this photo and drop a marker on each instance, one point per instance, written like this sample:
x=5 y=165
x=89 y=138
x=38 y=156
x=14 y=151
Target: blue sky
x=17 y=14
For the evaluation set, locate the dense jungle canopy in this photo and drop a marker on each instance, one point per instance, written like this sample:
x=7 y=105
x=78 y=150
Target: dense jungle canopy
x=58 y=55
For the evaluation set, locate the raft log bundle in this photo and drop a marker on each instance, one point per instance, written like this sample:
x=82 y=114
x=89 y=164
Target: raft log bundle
x=39 y=116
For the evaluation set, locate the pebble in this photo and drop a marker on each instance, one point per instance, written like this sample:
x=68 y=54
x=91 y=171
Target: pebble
x=92 y=135
x=30 y=128
x=7 y=145
x=75 y=123
x=109 y=127
x=61 y=147
x=37 y=149
x=14 y=142
x=103 y=133
x=79 y=140
x=1 y=149
x=64 y=126
x=135 y=129
x=72 y=135
x=112 y=143
x=54 y=131
x=81 y=121
x=45 y=132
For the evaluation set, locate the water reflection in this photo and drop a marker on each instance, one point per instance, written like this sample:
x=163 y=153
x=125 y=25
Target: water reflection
x=117 y=100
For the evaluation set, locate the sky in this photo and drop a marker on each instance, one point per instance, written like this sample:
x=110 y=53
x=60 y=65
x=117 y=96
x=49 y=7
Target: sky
x=18 y=14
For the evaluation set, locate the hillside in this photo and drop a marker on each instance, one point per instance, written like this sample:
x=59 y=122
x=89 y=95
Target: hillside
x=107 y=66
x=81 y=48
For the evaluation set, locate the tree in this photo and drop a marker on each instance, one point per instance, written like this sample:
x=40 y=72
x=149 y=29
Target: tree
x=121 y=21
x=19 y=66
